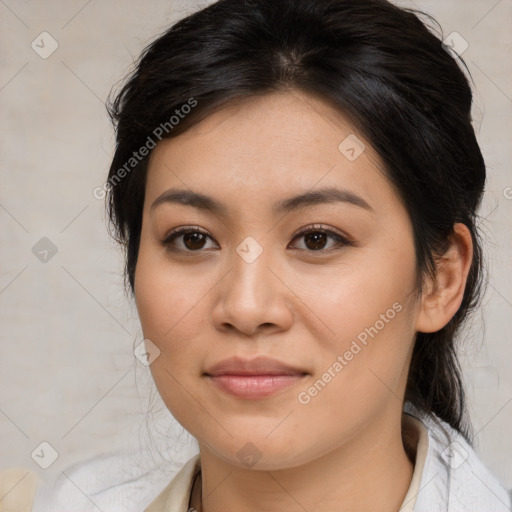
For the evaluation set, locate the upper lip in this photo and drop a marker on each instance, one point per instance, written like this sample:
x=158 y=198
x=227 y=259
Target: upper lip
x=258 y=366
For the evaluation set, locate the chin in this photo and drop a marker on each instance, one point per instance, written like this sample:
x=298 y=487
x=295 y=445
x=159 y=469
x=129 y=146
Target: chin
x=258 y=451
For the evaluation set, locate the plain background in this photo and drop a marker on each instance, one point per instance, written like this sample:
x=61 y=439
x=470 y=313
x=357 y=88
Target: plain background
x=68 y=376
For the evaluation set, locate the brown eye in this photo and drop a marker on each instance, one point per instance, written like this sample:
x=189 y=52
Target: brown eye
x=316 y=239
x=193 y=240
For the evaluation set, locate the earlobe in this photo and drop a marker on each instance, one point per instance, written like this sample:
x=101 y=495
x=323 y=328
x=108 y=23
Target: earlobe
x=441 y=299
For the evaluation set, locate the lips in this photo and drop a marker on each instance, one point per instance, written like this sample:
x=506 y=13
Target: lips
x=253 y=379
x=258 y=366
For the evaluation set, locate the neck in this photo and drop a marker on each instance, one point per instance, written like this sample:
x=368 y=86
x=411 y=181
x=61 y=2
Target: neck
x=372 y=472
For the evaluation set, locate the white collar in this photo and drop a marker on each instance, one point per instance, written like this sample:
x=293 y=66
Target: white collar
x=448 y=475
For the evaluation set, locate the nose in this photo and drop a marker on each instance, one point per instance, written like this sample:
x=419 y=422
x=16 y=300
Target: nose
x=253 y=298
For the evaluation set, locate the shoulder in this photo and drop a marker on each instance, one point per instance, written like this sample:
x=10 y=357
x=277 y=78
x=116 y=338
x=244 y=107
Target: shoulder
x=18 y=487
x=117 y=480
x=176 y=495
x=454 y=478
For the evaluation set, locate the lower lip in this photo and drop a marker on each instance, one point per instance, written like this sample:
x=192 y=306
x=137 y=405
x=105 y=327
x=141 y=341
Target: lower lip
x=254 y=386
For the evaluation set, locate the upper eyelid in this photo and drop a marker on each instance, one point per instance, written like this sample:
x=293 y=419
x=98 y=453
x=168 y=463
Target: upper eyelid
x=320 y=227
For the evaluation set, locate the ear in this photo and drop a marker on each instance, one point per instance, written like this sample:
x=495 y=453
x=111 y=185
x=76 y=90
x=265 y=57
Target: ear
x=441 y=298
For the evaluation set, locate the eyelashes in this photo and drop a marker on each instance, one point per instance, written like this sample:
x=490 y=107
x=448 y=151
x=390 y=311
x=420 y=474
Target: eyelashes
x=195 y=237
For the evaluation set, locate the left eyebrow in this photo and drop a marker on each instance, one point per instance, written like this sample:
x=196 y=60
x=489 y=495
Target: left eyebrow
x=320 y=196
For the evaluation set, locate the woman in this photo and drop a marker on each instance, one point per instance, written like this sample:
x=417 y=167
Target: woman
x=296 y=184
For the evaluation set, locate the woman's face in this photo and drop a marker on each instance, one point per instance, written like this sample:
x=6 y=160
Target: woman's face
x=340 y=313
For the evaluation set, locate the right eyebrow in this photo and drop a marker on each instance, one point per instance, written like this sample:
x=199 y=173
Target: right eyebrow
x=189 y=198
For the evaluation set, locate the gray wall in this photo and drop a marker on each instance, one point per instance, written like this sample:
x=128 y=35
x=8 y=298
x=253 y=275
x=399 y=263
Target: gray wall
x=67 y=372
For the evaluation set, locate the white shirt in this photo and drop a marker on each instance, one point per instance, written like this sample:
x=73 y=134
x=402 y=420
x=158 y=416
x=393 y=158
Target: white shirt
x=448 y=477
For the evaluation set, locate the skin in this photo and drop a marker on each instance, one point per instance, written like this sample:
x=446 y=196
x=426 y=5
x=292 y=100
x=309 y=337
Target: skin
x=343 y=450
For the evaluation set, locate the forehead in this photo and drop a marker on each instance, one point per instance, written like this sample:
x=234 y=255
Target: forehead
x=267 y=147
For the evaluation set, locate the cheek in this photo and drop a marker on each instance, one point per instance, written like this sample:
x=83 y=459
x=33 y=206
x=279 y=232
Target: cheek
x=361 y=373
x=157 y=290
x=168 y=304
x=169 y=309
x=352 y=296
x=369 y=313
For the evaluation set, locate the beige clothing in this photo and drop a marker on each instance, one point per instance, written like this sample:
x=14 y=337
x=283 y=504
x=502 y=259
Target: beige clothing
x=18 y=487
x=176 y=496
x=448 y=476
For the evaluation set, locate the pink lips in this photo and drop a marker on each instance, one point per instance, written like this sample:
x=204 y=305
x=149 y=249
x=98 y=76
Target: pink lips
x=255 y=378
